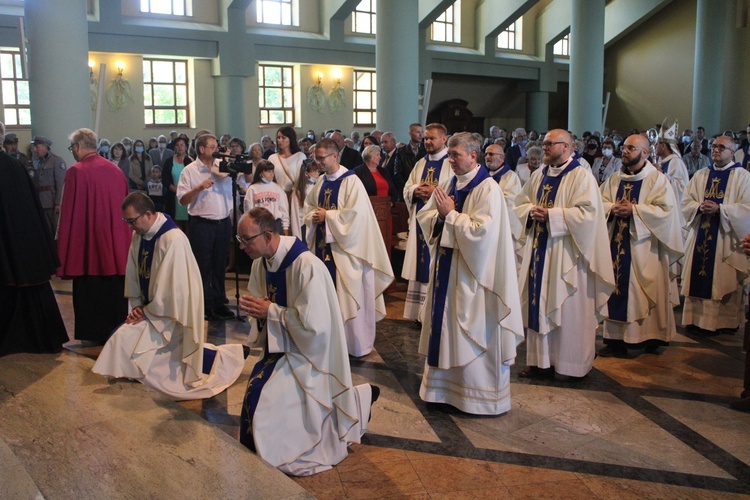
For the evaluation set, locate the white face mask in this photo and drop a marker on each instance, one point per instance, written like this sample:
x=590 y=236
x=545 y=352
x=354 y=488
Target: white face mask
x=162 y=145
x=607 y=152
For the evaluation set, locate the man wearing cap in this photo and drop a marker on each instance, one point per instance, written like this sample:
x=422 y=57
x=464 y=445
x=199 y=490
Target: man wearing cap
x=10 y=145
x=49 y=177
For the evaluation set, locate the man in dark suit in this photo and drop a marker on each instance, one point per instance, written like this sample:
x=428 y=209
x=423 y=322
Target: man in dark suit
x=348 y=157
x=409 y=154
x=518 y=149
x=388 y=162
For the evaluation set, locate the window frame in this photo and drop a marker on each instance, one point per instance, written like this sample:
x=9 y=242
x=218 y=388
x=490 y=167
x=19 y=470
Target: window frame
x=260 y=12
x=15 y=80
x=371 y=14
x=356 y=92
x=290 y=110
x=153 y=107
x=455 y=24
x=564 y=44
x=187 y=8
x=513 y=35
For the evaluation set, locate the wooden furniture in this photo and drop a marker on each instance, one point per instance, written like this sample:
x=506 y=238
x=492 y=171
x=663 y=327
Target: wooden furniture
x=381 y=205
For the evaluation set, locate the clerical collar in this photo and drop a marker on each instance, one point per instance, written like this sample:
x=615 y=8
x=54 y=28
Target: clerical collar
x=285 y=243
x=554 y=170
x=729 y=164
x=465 y=179
x=158 y=223
x=640 y=173
x=438 y=155
x=338 y=173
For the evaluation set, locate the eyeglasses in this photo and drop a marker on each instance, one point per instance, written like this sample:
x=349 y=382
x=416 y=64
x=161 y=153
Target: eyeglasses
x=70 y=148
x=720 y=147
x=130 y=222
x=549 y=144
x=246 y=241
x=320 y=159
x=494 y=154
x=630 y=147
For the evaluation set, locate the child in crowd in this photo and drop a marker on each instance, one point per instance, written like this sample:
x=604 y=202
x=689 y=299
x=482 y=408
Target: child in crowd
x=156 y=188
x=264 y=192
x=307 y=177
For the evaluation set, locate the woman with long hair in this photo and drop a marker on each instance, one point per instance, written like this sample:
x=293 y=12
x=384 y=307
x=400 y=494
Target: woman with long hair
x=287 y=160
x=140 y=166
x=306 y=179
x=170 y=177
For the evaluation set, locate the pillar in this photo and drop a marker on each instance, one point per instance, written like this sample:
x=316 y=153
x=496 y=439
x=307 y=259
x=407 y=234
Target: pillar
x=396 y=59
x=710 y=59
x=229 y=98
x=537 y=111
x=58 y=47
x=586 y=66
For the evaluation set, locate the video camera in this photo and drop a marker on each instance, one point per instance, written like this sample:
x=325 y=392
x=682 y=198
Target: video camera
x=233 y=164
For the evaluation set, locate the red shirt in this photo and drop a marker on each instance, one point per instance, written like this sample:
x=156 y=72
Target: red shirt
x=380 y=182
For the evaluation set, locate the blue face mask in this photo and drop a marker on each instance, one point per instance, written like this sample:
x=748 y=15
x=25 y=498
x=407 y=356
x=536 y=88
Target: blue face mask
x=104 y=149
x=265 y=181
x=139 y=149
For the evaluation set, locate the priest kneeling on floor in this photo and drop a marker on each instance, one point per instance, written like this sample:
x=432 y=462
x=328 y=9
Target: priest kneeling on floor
x=161 y=343
x=301 y=410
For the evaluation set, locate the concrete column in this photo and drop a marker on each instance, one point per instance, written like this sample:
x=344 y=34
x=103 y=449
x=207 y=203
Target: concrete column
x=58 y=69
x=396 y=57
x=710 y=59
x=229 y=97
x=537 y=111
x=586 y=66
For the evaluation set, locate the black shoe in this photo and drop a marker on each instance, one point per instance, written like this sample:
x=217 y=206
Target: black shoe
x=222 y=313
x=727 y=331
x=612 y=350
x=534 y=372
x=375 y=395
x=651 y=348
x=208 y=316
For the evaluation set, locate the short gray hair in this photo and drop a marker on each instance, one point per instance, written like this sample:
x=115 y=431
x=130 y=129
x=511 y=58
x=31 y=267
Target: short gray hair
x=85 y=137
x=369 y=152
x=467 y=141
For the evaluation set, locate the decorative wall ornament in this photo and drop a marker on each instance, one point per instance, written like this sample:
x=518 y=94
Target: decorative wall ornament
x=337 y=98
x=93 y=88
x=316 y=97
x=118 y=92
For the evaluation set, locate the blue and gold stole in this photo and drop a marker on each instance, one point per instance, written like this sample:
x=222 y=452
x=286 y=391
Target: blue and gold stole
x=619 y=247
x=442 y=269
x=328 y=198
x=545 y=197
x=276 y=293
x=704 y=252
x=500 y=172
x=431 y=176
x=146 y=257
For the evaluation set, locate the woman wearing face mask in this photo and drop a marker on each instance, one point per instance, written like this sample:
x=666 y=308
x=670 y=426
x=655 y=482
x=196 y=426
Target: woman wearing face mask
x=264 y=192
x=592 y=149
x=607 y=164
x=104 y=148
x=140 y=166
x=305 y=183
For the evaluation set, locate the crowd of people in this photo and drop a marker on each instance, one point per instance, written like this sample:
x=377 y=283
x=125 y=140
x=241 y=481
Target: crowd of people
x=535 y=237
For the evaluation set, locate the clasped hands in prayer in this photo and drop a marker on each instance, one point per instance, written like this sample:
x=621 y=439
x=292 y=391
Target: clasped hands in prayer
x=709 y=207
x=445 y=203
x=255 y=307
x=319 y=215
x=135 y=316
x=424 y=191
x=623 y=208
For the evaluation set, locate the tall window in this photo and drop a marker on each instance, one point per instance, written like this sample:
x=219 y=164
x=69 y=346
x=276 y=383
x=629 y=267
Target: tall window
x=165 y=92
x=169 y=7
x=15 y=90
x=363 y=17
x=277 y=12
x=562 y=47
x=365 y=95
x=510 y=39
x=276 y=94
x=447 y=27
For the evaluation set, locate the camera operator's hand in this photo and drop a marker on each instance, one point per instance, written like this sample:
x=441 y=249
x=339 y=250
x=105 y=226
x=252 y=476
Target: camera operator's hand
x=206 y=184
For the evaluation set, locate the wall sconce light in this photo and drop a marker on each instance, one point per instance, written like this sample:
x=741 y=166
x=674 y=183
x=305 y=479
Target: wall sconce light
x=118 y=92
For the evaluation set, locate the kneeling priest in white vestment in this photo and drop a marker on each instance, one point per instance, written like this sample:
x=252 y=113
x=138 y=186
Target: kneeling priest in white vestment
x=161 y=342
x=300 y=410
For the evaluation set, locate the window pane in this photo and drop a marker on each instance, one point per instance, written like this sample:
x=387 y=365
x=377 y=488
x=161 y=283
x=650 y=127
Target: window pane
x=148 y=117
x=6 y=65
x=164 y=95
x=438 y=32
x=286 y=15
x=144 y=6
x=24 y=116
x=164 y=116
x=181 y=116
x=363 y=100
x=19 y=69
x=289 y=117
x=287 y=77
x=264 y=117
x=181 y=91
x=146 y=71
x=161 y=6
x=180 y=70
x=179 y=7
x=273 y=77
x=276 y=117
x=147 y=95
x=163 y=71
x=9 y=92
x=288 y=98
x=23 y=92
x=10 y=117
x=273 y=98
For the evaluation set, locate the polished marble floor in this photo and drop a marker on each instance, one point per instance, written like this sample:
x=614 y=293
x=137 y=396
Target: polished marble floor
x=646 y=426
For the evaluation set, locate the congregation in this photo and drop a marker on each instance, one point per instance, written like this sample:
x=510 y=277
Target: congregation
x=535 y=237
